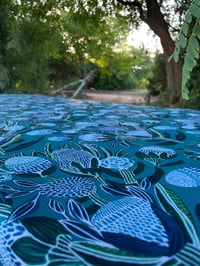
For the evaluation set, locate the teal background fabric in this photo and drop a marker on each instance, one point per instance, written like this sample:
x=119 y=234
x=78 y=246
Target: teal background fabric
x=84 y=183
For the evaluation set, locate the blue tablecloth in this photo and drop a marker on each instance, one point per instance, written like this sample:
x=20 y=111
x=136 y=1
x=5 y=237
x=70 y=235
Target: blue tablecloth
x=85 y=183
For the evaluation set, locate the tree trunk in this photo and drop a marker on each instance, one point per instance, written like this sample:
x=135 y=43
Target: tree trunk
x=174 y=76
x=155 y=20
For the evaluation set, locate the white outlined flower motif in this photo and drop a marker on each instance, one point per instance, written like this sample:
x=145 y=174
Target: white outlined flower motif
x=27 y=165
x=155 y=154
x=65 y=157
x=68 y=187
x=115 y=162
x=184 y=177
x=159 y=151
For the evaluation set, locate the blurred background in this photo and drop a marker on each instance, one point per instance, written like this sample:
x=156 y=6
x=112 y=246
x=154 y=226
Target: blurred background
x=52 y=46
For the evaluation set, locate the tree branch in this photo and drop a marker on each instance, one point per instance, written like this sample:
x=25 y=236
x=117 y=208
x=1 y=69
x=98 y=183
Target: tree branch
x=134 y=4
x=67 y=86
x=83 y=83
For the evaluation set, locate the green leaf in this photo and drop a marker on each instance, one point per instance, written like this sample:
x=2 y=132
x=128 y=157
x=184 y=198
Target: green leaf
x=185 y=93
x=189 y=62
x=197 y=2
x=195 y=10
x=185 y=78
x=176 y=55
x=193 y=42
x=188 y=18
x=170 y=58
x=184 y=82
x=193 y=53
x=30 y=251
x=196 y=30
x=185 y=28
x=183 y=40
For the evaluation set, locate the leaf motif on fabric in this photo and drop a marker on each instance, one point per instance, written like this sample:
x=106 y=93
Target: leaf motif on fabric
x=60 y=254
x=56 y=206
x=6 y=187
x=24 y=209
x=77 y=211
x=30 y=251
x=5 y=210
x=115 y=191
x=145 y=183
x=24 y=183
x=44 y=229
x=24 y=145
x=179 y=162
x=180 y=204
x=81 y=230
x=17 y=194
x=109 y=255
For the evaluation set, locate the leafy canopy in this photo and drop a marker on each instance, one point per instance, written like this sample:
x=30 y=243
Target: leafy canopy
x=37 y=36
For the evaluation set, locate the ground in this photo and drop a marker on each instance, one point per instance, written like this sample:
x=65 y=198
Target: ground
x=134 y=97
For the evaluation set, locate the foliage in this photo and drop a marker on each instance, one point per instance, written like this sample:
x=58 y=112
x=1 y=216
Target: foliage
x=157 y=76
x=60 y=40
x=89 y=36
x=193 y=86
x=4 y=77
x=4 y=28
x=188 y=39
x=37 y=44
x=44 y=40
x=28 y=44
x=163 y=17
x=122 y=70
x=133 y=11
x=174 y=12
x=48 y=45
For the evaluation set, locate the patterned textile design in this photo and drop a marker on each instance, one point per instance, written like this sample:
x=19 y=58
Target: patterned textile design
x=85 y=183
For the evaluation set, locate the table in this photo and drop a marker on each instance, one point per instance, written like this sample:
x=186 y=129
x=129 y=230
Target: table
x=91 y=183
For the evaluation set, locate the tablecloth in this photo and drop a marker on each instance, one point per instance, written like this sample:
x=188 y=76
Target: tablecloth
x=91 y=183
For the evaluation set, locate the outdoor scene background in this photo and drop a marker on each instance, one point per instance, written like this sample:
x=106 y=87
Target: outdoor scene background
x=46 y=45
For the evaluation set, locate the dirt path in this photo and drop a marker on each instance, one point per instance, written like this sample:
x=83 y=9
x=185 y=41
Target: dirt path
x=134 y=97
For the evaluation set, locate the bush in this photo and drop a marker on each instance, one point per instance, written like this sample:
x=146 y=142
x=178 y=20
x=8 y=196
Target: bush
x=157 y=78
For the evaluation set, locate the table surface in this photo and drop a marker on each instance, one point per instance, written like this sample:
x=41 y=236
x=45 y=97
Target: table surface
x=91 y=183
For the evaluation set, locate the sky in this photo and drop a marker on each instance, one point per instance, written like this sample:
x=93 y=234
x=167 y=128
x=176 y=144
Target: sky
x=144 y=37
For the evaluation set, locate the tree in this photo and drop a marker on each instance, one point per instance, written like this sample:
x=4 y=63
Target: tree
x=39 y=38
x=150 y=13
x=157 y=15
x=82 y=27
x=123 y=69
x=27 y=43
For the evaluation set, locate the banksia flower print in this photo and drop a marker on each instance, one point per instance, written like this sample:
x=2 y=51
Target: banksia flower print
x=184 y=177
x=92 y=183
